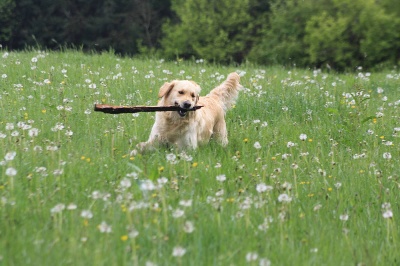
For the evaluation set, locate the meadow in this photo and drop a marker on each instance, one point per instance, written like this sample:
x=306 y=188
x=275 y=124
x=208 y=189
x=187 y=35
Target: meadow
x=310 y=175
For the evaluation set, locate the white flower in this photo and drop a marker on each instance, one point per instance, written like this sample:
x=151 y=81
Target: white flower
x=104 y=227
x=87 y=214
x=344 y=217
x=147 y=185
x=388 y=214
x=387 y=155
x=11 y=171
x=178 y=251
x=263 y=187
x=72 y=206
x=251 y=256
x=303 y=137
x=284 y=198
x=188 y=227
x=290 y=144
x=34 y=59
x=125 y=183
x=221 y=178
x=58 y=208
x=10 y=156
x=162 y=180
x=33 y=132
x=257 y=145
x=264 y=262
x=178 y=213
x=185 y=203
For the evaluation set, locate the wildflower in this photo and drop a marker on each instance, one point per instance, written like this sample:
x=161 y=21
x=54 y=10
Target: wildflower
x=162 y=180
x=9 y=126
x=124 y=238
x=303 y=137
x=87 y=214
x=133 y=233
x=33 y=132
x=257 y=145
x=251 y=256
x=104 y=227
x=58 y=208
x=188 y=227
x=185 y=203
x=387 y=155
x=147 y=185
x=178 y=251
x=71 y=206
x=10 y=156
x=125 y=183
x=317 y=207
x=221 y=178
x=34 y=59
x=344 y=217
x=11 y=171
x=290 y=144
x=263 y=187
x=171 y=158
x=264 y=262
x=178 y=213
x=388 y=214
x=284 y=198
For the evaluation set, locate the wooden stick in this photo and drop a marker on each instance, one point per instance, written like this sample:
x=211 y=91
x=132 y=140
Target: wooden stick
x=114 y=109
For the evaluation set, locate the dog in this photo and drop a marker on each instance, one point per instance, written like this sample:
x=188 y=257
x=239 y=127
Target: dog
x=186 y=128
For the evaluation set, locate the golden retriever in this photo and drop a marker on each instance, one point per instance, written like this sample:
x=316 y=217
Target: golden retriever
x=188 y=129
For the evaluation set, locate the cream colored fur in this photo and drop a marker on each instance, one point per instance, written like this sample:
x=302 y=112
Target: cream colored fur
x=195 y=127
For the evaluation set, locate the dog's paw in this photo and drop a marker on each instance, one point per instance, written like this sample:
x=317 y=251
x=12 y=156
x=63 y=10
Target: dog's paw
x=141 y=147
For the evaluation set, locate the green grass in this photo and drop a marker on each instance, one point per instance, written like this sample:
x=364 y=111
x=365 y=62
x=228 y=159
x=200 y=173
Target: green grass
x=337 y=178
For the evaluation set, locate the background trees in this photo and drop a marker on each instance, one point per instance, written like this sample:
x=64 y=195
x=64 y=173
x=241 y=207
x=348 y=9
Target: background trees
x=340 y=34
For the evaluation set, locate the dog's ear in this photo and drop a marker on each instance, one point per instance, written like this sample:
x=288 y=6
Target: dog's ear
x=165 y=89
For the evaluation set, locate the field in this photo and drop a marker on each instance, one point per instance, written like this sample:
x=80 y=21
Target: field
x=310 y=175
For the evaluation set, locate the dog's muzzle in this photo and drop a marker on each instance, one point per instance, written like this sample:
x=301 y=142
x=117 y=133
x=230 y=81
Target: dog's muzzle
x=184 y=108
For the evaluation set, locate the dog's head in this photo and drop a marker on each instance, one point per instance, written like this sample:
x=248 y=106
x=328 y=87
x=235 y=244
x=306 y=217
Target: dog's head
x=182 y=93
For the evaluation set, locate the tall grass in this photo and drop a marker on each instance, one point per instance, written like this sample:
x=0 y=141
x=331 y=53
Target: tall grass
x=310 y=175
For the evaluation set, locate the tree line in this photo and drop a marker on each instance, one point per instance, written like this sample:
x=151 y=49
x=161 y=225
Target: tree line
x=338 y=34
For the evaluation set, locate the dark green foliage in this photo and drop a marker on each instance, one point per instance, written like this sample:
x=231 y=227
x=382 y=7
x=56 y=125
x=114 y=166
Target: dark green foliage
x=212 y=30
x=337 y=34
x=6 y=19
x=92 y=24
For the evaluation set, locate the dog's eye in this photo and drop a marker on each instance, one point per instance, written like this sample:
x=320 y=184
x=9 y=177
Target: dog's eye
x=181 y=92
x=192 y=95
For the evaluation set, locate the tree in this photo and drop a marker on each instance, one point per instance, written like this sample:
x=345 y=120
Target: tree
x=6 y=19
x=216 y=30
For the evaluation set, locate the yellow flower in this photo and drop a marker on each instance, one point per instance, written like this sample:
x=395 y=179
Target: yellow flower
x=124 y=237
x=132 y=158
x=88 y=160
x=43 y=111
x=230 y=200
x=309 y=140
x=160 y=169
x=195 y=164
x=123 y=208
x=273 y=158
x=246 y=140
x=329 y=189
x=83 y=157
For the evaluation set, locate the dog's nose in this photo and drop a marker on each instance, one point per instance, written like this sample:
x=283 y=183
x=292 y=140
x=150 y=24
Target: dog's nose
x=187 y=105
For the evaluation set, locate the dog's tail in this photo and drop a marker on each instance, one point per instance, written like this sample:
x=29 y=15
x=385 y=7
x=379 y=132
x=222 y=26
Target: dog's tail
x=228 y=91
